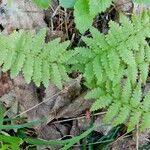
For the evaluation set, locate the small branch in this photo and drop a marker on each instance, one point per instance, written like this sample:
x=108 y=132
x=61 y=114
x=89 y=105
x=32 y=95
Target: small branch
x=137 y=136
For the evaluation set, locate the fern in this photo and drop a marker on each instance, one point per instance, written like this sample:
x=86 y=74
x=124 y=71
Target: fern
x=123 y=52
x=131 y=111
x=119 y=50
x=28 y=52
x=98 y=6
x=102 y=102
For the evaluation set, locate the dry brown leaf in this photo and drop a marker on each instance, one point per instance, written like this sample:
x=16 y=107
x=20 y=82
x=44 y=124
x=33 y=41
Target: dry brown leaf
x=125 y=6
x=5 y=84
x=75 y=108
x=21 y=14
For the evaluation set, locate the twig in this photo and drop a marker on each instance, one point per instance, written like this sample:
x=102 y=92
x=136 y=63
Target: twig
x=121 y=137
x=66 y=20
x=137 y=136
x=76 y=118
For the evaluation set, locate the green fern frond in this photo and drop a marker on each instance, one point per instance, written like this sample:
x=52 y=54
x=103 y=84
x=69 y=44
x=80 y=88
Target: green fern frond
x=56 y=75
x=144 y=69
x=127 y=91
x=98 y=6
x=145 y=121
x=37 y=71
x=46 y=76
x=132 y=73
x=123 y=54
x=97 y=68
x=114 y=60
x=101 y=103
x=147 y=53
x=136 y=96
x=28 y=68
x=89 y=72
x=134 y=120
x=28 y=52
x=95 y=93
x=112 y=112
x=124 y=46
x=99 y=39
x=83 y=19
x=122 y=116
x=146 y=102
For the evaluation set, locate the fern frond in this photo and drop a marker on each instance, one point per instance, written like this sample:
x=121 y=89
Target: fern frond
x=145 y=121
x=38 y=42
x=123 y=47
x=114 y=60
x=97 y=68
x=8 y=62
x=46 y=76
x=144 y=69
x=89 y=72
x=127 y=92
x=101 y=103
x=126 y=55
x=117 y=90
x=28 y=68
x=56 y=75
x=121 y=55
x=95 y=93
x=37 y=71
x=98 y=6
x=18 y=64
x=147 y=53
x=112 y=112
x=63 y=72
x=136 y=96
x=39 y=61
x=109 y=72
x=99 y=38
x=83 y=19
x=134 y=120
x=132 y=73
x=122 y=116
x=146 y=102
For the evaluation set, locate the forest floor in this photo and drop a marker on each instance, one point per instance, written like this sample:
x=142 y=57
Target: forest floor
x=67 y=111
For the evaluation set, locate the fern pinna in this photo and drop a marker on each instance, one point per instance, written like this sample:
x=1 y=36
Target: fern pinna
x=116 y=66
x=39 y=61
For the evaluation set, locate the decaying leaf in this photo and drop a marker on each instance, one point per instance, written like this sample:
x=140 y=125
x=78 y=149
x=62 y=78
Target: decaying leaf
x=21 y=14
